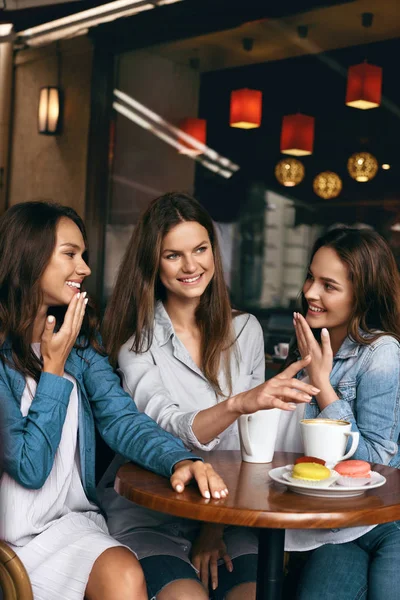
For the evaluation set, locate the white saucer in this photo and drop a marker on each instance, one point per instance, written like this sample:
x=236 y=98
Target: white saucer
x=333 y=491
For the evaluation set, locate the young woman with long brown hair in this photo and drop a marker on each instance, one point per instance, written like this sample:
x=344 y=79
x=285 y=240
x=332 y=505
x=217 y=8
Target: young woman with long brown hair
x=56 y=385
x=194 y=366
x=350 y=325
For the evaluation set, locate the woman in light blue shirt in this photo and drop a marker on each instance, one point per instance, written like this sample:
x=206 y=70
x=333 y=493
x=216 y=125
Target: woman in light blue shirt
x=194 y=366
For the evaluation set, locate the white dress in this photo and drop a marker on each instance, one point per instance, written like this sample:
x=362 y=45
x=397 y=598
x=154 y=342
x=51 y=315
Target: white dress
x=57 y=533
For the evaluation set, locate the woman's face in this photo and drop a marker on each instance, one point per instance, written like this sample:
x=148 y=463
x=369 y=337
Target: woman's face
x=329 y=292
x=186 y=261
x=66 y=270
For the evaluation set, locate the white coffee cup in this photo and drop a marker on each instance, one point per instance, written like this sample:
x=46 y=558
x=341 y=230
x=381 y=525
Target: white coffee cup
x=258 y=435
x=281 y=349
x=327 y=439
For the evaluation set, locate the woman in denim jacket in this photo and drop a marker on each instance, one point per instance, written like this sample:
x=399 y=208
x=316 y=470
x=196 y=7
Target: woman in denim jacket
x=56 y=385
x=350 y=325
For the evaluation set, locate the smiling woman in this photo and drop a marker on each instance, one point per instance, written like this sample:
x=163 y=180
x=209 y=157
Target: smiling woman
x=56 y=381
x=350 y=326
x=186 y=272
x=194 y=365
x=67 y=268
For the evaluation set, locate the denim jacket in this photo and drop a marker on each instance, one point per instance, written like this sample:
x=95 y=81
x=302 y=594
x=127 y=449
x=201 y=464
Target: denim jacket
x=366 y=380
x=30 y=442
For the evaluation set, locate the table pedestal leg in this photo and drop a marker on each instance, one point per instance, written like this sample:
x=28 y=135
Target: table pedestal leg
x=270 y=564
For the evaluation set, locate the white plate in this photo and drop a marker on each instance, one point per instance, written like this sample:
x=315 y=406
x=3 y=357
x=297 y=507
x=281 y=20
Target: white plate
x=333 y=491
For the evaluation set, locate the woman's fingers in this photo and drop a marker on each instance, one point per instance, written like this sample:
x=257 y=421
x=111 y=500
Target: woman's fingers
x=326 y=343
x=70 y=314
x=228 y=562
x=204 y=571
x=307 y=333
x=301 y=338
x=216 y=484
x=80 y=313
x=48 y=329
x=214 y=570
x=298 y=385
x=294 y=368
x=209 y=483
x=288 y=394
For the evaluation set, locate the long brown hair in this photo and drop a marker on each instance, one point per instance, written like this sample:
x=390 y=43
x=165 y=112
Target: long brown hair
x=375 y=278
x=27 y=240
x=131 y=309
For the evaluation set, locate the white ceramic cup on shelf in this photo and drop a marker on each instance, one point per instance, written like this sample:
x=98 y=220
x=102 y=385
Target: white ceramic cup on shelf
x=281 y=350
x=327 y=439
x=257 y=434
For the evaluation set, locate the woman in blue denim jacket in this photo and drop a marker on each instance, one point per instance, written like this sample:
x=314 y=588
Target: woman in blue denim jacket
x=56 y=386
x=351 y=328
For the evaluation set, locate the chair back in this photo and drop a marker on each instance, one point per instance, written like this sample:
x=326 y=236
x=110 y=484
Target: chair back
x=14 y=580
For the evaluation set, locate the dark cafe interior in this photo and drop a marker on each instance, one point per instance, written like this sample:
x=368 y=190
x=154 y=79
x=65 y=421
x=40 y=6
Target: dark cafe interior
x=281 y=118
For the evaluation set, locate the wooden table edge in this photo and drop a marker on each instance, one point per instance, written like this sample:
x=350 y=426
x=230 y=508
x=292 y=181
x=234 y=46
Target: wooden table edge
x=251 y=517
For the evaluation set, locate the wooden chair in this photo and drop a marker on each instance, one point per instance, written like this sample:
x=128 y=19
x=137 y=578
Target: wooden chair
x=14 y=580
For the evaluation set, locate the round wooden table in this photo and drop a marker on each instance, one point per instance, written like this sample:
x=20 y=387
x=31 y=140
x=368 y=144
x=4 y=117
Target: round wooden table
x=255 y=501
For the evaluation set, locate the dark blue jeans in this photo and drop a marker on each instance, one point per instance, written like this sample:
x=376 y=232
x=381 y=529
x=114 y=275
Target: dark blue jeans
x=367 y=567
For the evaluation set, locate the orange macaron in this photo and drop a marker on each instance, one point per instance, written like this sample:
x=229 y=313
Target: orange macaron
x=353 y=472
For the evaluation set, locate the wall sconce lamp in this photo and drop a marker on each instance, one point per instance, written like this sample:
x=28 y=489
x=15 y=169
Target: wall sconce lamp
x=49 y=113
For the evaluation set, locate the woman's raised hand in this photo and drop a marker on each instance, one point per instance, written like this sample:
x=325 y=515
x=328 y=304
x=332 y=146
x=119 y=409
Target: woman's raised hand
x=55 y=347
x=321 y=363
x=282 y=391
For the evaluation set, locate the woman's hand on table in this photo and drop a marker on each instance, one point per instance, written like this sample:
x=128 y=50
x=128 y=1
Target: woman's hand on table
x=321 y=363
x=211 y=485
x=207 y=549
x=282 y=391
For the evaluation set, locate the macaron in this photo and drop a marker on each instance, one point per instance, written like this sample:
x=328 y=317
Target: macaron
x=353 y=473
x=309 y=459
x=309 y=471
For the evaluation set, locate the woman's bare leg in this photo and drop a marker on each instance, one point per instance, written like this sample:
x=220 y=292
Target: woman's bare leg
x=183 y=589
x=244 y=591
x=116 y=575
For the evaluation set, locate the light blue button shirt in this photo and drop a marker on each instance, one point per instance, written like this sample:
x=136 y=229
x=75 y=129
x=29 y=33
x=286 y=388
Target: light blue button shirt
x=169 y=387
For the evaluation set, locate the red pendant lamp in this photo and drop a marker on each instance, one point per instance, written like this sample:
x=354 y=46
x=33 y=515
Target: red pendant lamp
x=297 y=135
x=246 y=109
x=197 y=128
x=364 y=86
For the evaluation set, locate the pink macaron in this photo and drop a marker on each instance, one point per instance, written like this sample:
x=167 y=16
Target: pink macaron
x=353 y=473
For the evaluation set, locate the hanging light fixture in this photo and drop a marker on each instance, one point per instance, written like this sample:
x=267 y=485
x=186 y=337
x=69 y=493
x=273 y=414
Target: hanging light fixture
x=362 y=166
x=49 y=112
x=297 y=135
x=197 y=128
x=289 y=172
x=364 y=86
x=327 y=185
x=245 y=109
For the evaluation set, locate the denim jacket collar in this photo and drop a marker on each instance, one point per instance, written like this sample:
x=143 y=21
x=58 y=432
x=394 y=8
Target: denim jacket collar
x=71 y=367
x=348 y=349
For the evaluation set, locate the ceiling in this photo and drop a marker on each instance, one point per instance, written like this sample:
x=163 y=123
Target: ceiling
x=21 y=4
x=275 y=39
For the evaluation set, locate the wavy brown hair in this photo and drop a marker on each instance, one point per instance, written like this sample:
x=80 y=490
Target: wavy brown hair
x=131 y=309
x=375 y=278
x=27 y=240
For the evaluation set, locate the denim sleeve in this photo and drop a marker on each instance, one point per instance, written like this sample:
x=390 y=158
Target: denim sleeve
x=376 y=411
x=142 y=380
x=31 y=442
x=127 y=431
